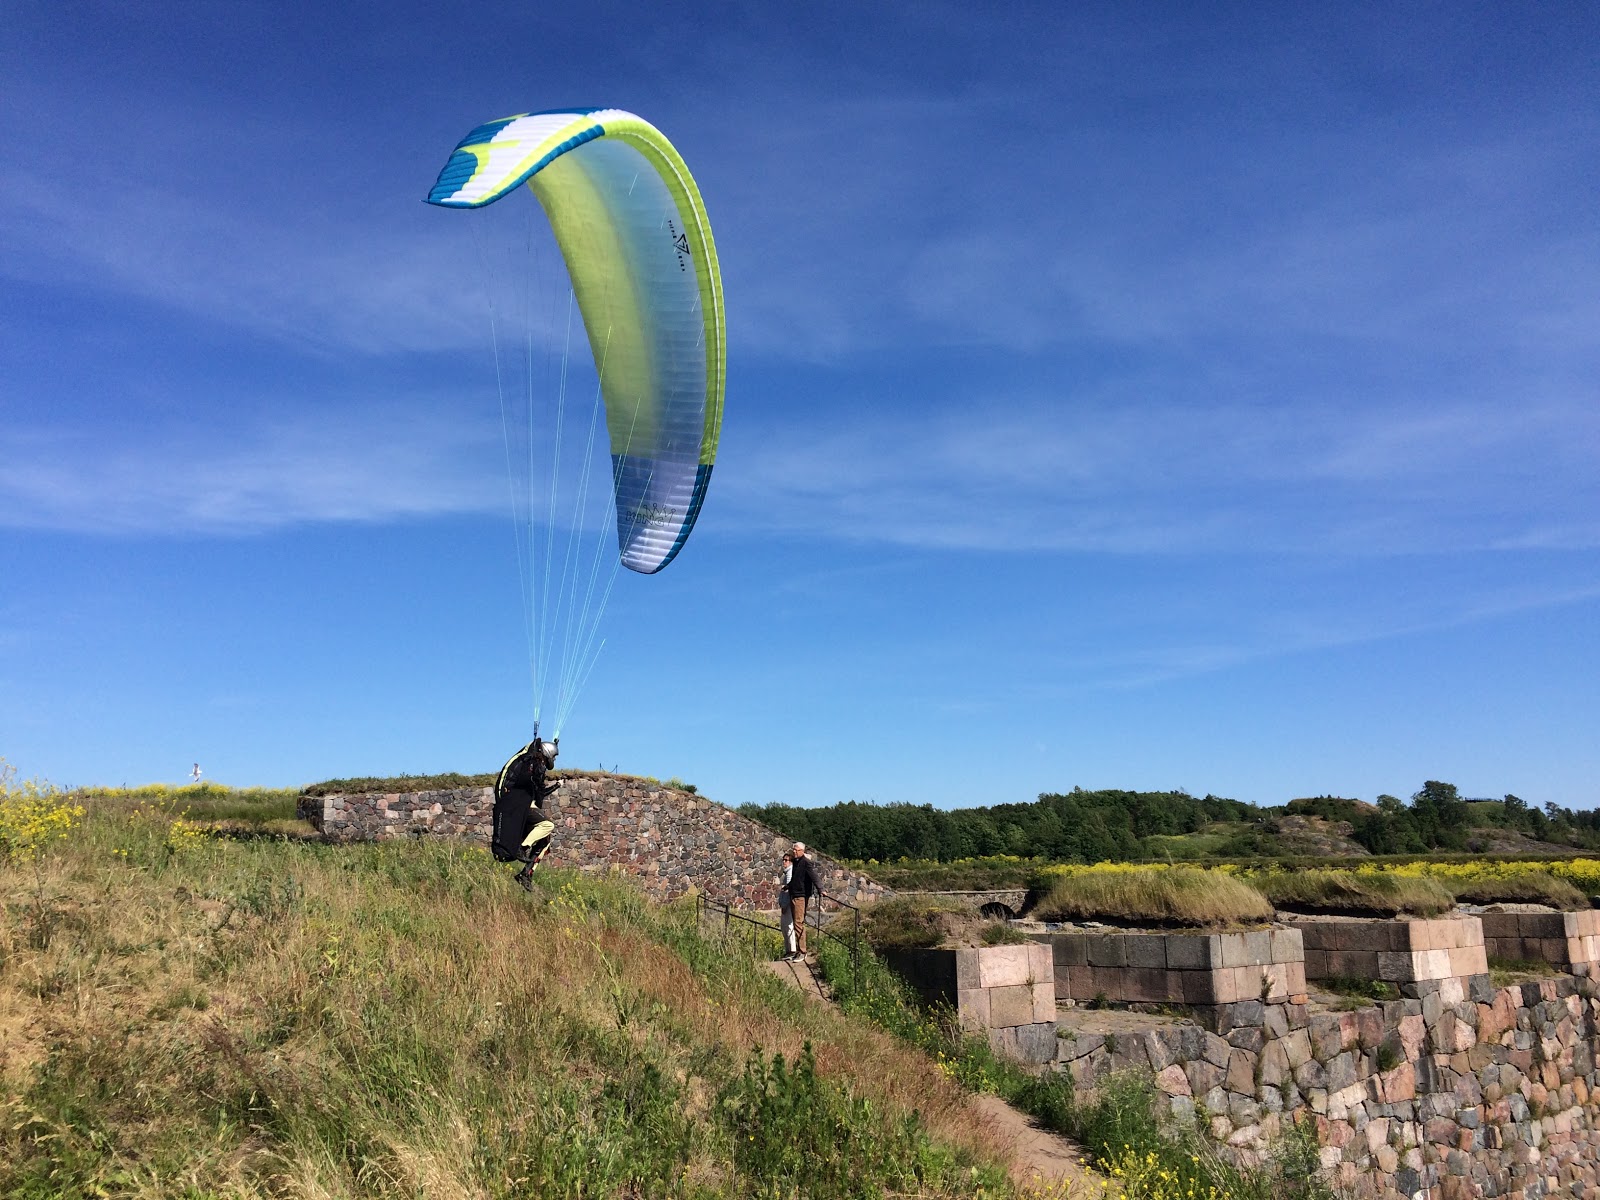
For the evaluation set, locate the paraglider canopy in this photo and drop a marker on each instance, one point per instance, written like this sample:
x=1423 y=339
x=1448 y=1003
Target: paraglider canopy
x=633 y=233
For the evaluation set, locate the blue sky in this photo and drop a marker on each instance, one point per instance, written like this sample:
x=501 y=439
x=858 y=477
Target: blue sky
x=1126 y=396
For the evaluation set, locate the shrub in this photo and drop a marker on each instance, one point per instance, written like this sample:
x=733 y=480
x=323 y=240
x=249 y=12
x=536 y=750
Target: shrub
x=1000 y=933
x=1158 y=895
x=911 y=922
x=32 y=816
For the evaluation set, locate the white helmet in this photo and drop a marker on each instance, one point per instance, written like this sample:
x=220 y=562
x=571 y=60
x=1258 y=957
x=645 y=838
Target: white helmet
x=548 y=749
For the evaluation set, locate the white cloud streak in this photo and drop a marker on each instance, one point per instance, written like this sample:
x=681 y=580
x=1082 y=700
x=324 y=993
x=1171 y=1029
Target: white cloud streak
x=388 y=467
x=1142 y=477
x=397 y=283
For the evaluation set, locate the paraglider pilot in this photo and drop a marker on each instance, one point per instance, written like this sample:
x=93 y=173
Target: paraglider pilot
x=522 y=831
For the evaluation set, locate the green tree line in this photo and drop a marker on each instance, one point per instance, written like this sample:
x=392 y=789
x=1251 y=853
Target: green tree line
x=1079 y=825
x=1110 y=824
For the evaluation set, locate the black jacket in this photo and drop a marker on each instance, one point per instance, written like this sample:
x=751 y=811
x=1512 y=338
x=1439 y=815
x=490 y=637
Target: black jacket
x=519 y=796
x=803 y=881
x=524 y=772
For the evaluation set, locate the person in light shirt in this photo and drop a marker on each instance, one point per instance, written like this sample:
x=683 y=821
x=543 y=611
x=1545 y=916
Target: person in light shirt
x=802 y=888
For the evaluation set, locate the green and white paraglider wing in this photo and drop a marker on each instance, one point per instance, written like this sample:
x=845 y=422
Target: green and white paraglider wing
x=634 y=235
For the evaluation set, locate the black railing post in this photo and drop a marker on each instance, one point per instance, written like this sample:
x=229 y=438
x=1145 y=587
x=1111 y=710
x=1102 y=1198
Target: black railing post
x=855 y=952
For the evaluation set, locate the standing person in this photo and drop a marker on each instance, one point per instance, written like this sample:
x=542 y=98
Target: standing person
x=786 y=909
x=802 y=887
x=522 y=831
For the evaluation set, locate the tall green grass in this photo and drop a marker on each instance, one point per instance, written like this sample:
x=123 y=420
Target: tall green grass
x=200 y=802
x=264 y=1019
x=1118 y=1125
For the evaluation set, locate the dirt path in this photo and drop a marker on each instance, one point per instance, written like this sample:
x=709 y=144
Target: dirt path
x=1039 y=1158
x=800 y=975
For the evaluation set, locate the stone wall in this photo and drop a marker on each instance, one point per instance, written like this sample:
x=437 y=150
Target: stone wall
x=1416 y=956
x=1005 y=992
x=671 y=840
x=1570 y=941
x=1197 y=969
x=1491 y=1096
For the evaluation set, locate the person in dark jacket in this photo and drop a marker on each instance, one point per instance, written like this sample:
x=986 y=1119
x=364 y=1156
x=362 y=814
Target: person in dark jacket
x=522 y=831
x=803 y=886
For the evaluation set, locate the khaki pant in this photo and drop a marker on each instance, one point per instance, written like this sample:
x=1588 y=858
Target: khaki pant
x=800 y=922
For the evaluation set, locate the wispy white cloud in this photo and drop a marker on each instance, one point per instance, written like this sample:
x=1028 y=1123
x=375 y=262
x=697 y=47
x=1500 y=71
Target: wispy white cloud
x=243 y=480
x=408 y=279
x=928 y=223
x=1309 y=629
x=1155 y=477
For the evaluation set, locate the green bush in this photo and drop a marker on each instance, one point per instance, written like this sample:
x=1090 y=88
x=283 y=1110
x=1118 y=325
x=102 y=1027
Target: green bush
x=908 y=922
x=1002 y=933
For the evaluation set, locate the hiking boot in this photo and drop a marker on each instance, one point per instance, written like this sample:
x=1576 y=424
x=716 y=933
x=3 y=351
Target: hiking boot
x=525 y=878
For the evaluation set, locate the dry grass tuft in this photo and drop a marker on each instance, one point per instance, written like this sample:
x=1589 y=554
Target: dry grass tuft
x=1523 y=887
x=1364 y=893
x=1153 y=895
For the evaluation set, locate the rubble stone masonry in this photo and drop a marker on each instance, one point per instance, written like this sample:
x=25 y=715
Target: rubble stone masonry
x=670 y=840
x=1465 y=1090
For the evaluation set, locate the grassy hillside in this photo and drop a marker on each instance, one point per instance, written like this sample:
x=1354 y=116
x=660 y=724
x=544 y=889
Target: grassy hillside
x=192 y=1017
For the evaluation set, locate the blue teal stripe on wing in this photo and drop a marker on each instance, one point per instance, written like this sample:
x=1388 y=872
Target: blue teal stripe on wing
x=484 y=132
x=463 y=165
x=702 y=480
x=457 y=171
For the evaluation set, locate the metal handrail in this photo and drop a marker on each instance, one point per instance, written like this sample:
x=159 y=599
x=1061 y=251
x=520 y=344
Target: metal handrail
x=705 y=904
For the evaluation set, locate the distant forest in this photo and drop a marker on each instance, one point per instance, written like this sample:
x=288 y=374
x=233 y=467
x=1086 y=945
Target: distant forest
x=1085 y=826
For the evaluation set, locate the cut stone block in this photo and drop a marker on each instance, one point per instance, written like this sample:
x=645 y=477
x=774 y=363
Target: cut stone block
x=1108 y=950
x=1190 y=952
x=1077 y=985
x=1003 y=966
x=1288 y=946
x=1019 y=992
x=1009 y=1005
x=1069 y=952
x=1149 y=952
x=973 y=1006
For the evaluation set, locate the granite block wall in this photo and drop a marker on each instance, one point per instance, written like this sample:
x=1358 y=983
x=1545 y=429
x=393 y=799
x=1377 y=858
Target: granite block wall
x=670 y=840
x=1567 y=940
x=1007 y=992
x=1417 y=956
x=1178 y=968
